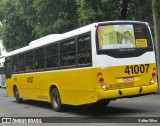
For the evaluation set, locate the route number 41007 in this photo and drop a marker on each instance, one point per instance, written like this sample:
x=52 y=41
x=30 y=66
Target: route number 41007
x=135 y=69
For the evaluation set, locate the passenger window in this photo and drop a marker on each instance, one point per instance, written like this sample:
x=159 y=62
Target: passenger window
x=84 y=49
x=39 y=61
x=68 y=52
x=52 y=57
x=15 y=63
x=21 y=62
x=29 y=61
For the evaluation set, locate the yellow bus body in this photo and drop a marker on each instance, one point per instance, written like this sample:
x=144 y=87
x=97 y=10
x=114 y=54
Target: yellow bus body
x=79 y=86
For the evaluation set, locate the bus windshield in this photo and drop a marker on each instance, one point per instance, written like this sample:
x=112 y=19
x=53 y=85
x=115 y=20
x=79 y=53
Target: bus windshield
x=123 y=37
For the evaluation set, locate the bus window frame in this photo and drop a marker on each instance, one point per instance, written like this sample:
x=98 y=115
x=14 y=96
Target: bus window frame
x=77 y=65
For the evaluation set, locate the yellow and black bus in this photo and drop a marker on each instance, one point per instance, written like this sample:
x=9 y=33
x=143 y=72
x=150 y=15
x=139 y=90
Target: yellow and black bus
x=94 y=64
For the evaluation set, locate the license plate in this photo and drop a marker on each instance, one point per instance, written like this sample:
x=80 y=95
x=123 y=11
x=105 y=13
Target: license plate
x=128 y=79
x=122 y=85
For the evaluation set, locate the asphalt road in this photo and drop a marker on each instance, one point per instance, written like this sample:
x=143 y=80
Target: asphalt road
x=127 y=110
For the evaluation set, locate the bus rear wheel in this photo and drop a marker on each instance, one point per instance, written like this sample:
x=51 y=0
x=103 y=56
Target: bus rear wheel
x=55 y=100
x=16 y=95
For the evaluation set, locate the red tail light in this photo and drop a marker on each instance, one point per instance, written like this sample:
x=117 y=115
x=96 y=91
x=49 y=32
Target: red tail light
x=153 y=75
x=101 y=80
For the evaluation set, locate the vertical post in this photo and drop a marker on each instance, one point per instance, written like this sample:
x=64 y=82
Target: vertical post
x=156 y=22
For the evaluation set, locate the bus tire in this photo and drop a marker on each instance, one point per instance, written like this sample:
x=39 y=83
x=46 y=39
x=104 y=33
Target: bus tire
x=16 y=95
x=56 y=100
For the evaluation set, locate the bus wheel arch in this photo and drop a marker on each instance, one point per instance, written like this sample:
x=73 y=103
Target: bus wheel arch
x=55 y=99
x=16 y=94
x=51 y=88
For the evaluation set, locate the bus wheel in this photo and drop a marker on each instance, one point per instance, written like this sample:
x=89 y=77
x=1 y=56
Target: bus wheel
x=101 y=103
x=16 y=95
x=55 y=100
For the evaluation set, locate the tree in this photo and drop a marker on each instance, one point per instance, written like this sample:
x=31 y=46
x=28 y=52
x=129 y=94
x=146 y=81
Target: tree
x=140 y=10
x=100 y=10
x=97 y=10
x=14 y=31
x=49 y=16
x=124 y=9
x=157 y=7
x=26 y=20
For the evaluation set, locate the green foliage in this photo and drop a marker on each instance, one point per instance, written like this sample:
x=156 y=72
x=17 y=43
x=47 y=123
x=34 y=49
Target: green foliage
x=98 y=10
x=49 y=16
x=25 y=20
x=157 y=7
x=140 y=10
x=14 y=32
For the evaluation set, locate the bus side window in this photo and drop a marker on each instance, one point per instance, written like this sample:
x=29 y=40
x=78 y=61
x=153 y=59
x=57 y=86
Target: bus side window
x=68 y=52
x=8 y=65
x=84 y=49
x=15 y=63
x=21 y=62
x=39 y=62
x=29 y=61
x=52 y=56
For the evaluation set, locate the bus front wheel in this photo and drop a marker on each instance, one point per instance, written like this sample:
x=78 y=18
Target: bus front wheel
x=16 y=95
x=55 y=100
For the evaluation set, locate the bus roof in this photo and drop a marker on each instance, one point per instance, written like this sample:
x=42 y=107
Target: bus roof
x=57 y=37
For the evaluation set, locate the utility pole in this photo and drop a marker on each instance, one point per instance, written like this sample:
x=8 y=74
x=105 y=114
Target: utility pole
x=156 y=22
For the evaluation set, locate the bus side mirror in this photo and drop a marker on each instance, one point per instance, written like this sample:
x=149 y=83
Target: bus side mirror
x=8 y=68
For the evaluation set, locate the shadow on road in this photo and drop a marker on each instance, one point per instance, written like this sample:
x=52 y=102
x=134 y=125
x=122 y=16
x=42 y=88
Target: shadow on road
x=88 y=110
